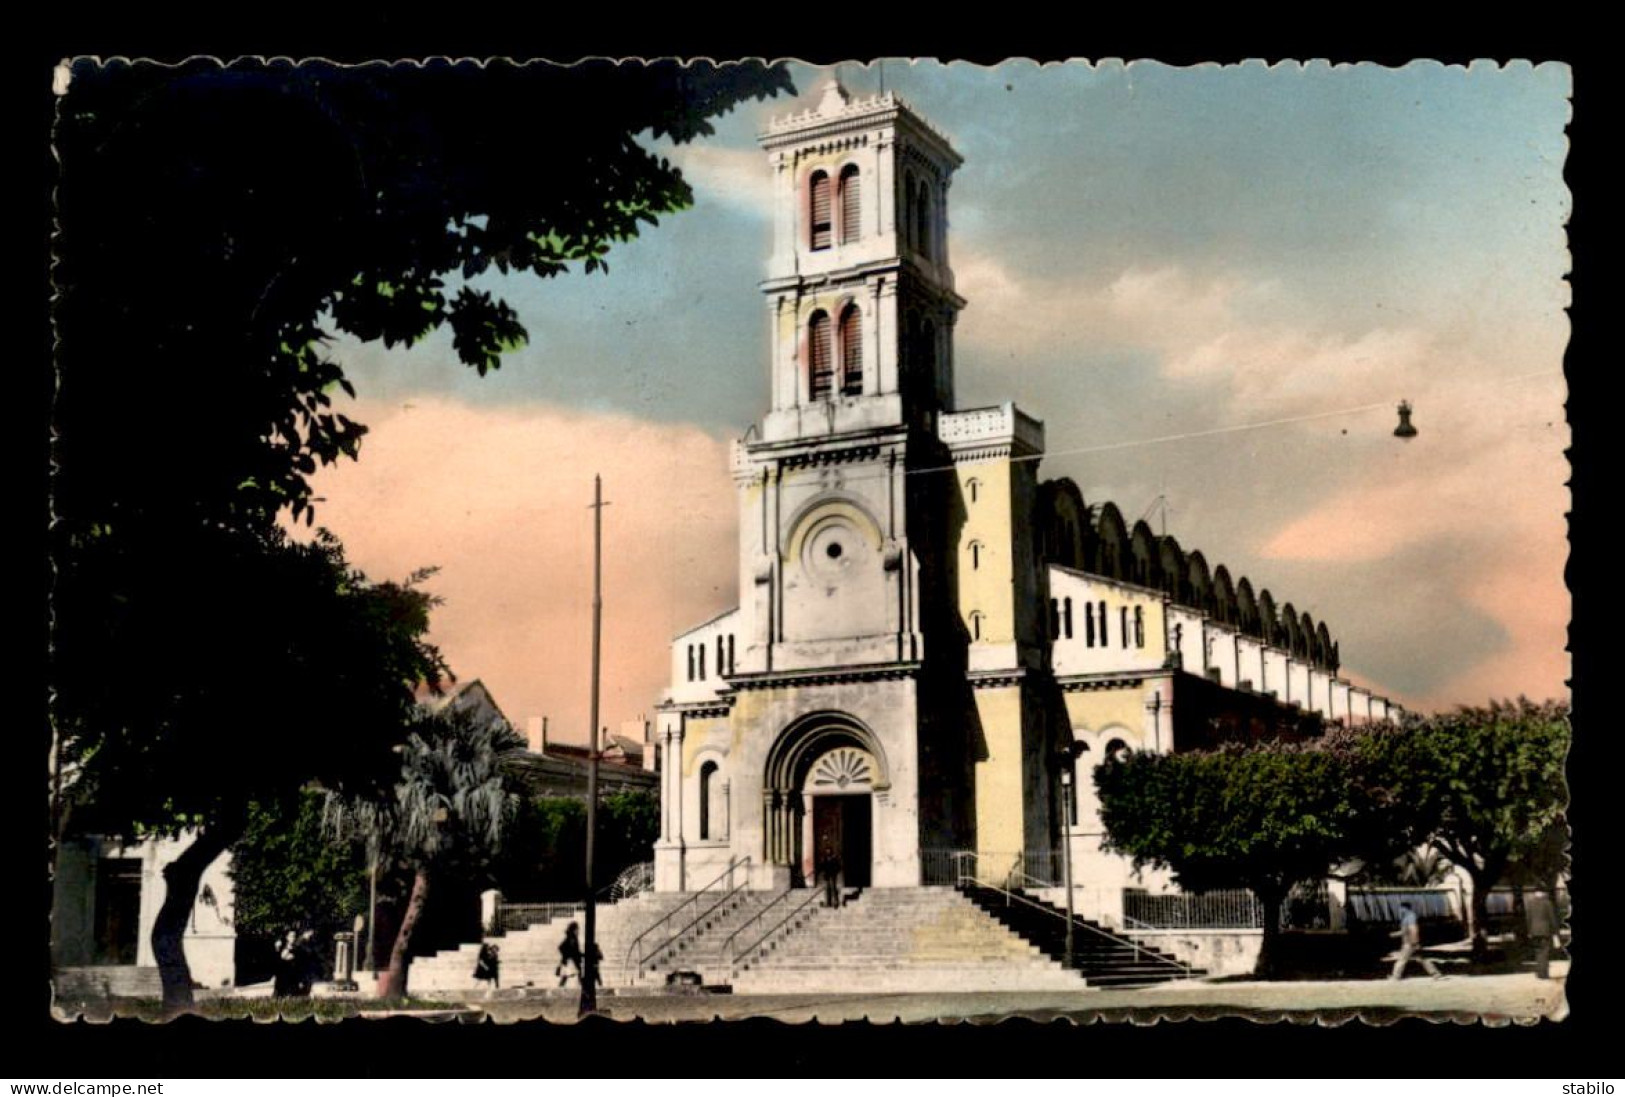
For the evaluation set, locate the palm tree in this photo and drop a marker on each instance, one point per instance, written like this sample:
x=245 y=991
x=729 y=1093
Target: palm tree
x=1422 y=868
x=449 y=802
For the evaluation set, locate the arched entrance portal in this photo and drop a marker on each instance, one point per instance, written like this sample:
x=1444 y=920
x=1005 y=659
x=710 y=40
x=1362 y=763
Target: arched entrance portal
x=822 y=776
x=838 y=815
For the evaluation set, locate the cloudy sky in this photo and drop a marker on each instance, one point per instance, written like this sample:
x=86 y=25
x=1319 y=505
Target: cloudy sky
x=1211 y=284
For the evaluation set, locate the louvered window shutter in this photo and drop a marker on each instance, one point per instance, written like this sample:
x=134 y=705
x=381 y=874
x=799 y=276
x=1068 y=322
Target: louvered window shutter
x=820 y=211
x=819 y=357
x=851 y=206
x=851 y=352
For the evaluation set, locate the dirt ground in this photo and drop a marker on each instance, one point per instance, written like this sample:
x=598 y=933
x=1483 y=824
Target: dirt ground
x=1505 y=998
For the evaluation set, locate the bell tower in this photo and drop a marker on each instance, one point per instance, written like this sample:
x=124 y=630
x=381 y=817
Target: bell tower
x=862 y=306
x=878 y=691
x=859 y=286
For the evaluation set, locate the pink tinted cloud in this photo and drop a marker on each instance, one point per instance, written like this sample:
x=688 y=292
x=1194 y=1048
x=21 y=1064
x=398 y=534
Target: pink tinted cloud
x=1525 y=592
x=1485 y=481
x=497 y=498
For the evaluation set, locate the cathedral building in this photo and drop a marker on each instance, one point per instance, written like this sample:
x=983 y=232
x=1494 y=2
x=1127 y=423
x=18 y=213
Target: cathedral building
x=929 y=636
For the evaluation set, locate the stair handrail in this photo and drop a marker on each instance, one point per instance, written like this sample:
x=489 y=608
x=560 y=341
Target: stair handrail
x=961 y=876
x=692 y=922
x=1028 y=878
x=727 y=944
x=1013 y=896
x=733 y=956
x=727 y=873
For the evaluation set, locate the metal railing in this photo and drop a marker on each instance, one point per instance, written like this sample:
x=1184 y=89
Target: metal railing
x=1232 y=909
x=940 y=867
x=943 y=867
x=1306 y=906
x=1041 y=867
x=1141 y=953
x=627 y=965
x=634 y=880
x=513 y=917
x=728 y=945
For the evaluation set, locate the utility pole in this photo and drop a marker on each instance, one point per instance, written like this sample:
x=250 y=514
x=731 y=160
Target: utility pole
x=1066 y=852
x=589 y=959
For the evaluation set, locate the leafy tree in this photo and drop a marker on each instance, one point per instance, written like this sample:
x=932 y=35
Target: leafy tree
x=219 y=223
x=1484 y=786
x=268 y=665
x=1263 y=817
x=289 y=872
x=449 y=808
x=1424 y=867
x=628 y=825
x=547 y=858
x=215 y=226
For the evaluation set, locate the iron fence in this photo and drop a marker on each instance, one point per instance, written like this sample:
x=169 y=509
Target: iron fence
x=1307 y=906
x=942 y=867
x=513 y=917
x=633 y=881
x=1041 y=868
x=1027 y=869
x=1233 y=909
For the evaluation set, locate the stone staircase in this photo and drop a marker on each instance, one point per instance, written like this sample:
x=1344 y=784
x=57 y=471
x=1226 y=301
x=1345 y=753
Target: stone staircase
x=1103 y=957
x=924 y=939
x=530 y=957
x=883 y=940
x=705 y=948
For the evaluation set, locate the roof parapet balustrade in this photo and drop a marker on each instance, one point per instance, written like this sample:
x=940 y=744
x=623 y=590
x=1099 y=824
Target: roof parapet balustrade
x=999 y=424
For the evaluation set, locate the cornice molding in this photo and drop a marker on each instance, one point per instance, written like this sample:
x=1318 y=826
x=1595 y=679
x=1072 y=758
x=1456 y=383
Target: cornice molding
x=824 y=676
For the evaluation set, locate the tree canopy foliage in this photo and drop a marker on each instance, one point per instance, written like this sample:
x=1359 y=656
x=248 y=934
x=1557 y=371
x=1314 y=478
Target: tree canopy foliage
x=266 y=665
x=216 y=224
x=290 y=874
x=1263 y=817
x=1484 y=786
x=547 y=858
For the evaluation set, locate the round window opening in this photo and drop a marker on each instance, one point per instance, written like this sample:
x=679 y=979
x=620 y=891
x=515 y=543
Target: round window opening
x=831 y=548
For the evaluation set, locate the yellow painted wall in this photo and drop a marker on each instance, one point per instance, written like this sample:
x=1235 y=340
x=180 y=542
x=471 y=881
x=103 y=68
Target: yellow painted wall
x=748 y=718
x=1096 y=709
x=702 y=734
x=988 y=588
x=999 y=798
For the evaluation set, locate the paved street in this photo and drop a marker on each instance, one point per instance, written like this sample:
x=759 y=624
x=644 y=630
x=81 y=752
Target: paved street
x=1514 y=997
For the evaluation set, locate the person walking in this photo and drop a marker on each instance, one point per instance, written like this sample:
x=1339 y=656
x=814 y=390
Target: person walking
x=1410 y=946
x=487 y=969
x=570 y=954
x=1542 y=928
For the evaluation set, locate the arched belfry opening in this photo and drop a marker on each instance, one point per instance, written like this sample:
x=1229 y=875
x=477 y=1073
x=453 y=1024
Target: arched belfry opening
x=818 y=794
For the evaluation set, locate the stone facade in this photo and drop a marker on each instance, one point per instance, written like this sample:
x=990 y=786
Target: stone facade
x=925 y=627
